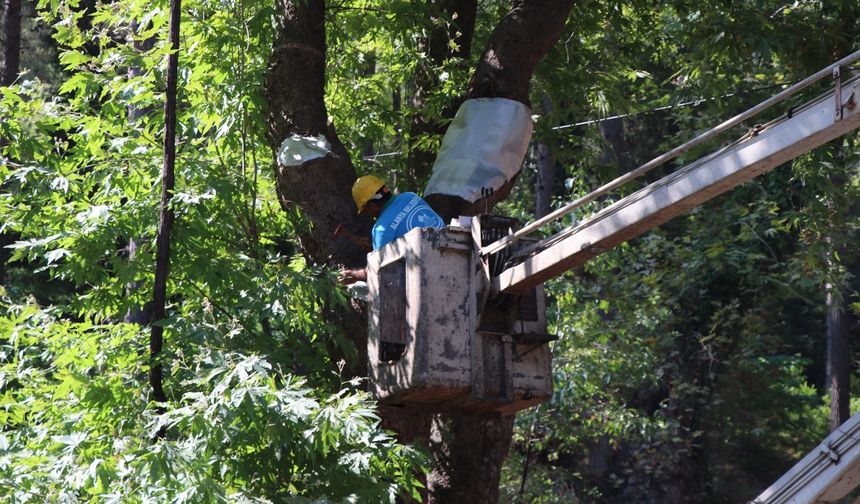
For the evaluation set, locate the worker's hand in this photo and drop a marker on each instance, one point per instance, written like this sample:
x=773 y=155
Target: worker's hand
x=347 y=276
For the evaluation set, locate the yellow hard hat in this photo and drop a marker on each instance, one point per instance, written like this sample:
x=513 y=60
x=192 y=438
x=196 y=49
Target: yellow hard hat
x=364 y=188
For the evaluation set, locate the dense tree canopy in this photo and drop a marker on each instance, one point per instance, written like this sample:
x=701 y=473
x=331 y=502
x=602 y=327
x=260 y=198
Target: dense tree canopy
x=691 y=363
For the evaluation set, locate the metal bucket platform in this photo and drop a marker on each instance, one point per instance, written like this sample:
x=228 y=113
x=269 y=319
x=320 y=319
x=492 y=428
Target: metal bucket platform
x=439 y=340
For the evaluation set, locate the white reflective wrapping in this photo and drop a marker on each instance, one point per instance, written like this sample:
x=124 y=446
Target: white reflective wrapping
x=483 y=148
x=296 y=149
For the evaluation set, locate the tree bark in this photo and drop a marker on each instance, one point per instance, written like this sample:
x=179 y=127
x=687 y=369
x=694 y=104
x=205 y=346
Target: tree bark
x=545 y=171
x=838 y=344
x=544 y=179
x=838 y=359
x=162 y=243
x=612 y=131
x=838 y=368
x=468 y=466
x=516 y=47
x=11 y=67
x=12 y=47
x=321 y=187
x=140 y=315
x=468 y=454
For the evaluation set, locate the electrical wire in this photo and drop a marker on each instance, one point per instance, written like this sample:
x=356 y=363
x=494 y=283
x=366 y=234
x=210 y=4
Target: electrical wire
x=690 y=103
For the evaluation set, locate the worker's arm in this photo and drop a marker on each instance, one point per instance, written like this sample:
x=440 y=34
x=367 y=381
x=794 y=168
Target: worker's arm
x=348 y=276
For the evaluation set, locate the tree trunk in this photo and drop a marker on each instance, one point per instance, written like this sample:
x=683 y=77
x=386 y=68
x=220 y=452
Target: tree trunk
x=838 y=358
x=295 y=83
x=468 y=454
x=11 y=64
x=615 y=152
x=471 y=450
x=321 y=187
x=545 y=171
x=140 y=315
x=544 y=179
x=838 y=348
x=12 y=48
x=468 y=467
x=838 y=368
x=162 y=243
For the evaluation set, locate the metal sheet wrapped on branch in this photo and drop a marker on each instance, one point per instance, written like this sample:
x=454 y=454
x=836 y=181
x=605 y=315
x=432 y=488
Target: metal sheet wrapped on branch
x=296 y=150
x=483 y=148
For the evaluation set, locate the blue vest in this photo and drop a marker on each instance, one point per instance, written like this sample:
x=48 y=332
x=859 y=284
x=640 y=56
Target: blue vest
x=401 y=214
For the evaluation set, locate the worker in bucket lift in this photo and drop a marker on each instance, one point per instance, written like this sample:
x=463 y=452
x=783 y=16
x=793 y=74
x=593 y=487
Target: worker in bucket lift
x=395 y=216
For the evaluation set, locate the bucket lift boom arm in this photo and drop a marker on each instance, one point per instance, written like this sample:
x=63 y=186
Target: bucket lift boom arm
x=765 y=147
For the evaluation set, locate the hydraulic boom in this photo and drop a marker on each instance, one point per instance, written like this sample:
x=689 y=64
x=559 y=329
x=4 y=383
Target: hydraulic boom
x=762 y=149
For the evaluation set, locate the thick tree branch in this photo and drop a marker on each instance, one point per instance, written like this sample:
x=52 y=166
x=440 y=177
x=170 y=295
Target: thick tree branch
x=519 y=42
x=516 y=47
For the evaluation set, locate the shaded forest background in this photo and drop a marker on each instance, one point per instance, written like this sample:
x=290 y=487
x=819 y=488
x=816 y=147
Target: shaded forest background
x=692 y=364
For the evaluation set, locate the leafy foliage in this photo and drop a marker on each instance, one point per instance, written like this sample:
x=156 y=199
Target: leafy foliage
x=242 y=430
x=257 y=409
x=690 y=361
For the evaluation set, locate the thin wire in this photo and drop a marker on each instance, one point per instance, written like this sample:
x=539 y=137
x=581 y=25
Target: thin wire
x=691 y=103
x=374 y=157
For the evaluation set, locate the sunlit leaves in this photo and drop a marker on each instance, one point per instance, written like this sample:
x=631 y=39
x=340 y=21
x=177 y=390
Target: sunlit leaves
x=77 y=422
x=244 y=317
